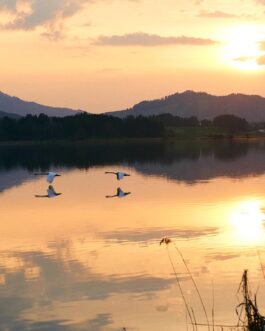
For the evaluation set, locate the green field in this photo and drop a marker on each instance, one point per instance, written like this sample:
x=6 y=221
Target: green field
x=196 y=132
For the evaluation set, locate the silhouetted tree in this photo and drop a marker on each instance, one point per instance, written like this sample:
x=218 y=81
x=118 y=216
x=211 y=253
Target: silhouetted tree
x=84 y=126
x=231 y=122
x=81 y=126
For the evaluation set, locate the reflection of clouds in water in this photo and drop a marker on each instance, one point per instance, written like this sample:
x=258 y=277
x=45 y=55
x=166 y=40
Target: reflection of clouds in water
x=96 y=324
x=221 y=257
x=16 y=177
x=162 y=308
x=71 y=280
x=16 y=324
x=61 y=281
x=155 y=234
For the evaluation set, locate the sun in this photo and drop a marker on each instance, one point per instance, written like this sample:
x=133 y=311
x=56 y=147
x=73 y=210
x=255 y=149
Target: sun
x=241 y=48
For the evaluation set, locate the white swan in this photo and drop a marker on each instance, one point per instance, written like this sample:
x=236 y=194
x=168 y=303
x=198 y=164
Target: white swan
x=50 y=176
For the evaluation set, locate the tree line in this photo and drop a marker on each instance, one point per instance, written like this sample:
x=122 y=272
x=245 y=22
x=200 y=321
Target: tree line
x=229 y=122
x=83 y=126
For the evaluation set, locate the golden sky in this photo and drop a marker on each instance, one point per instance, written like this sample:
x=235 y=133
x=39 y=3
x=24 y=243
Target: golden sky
x=103 y=55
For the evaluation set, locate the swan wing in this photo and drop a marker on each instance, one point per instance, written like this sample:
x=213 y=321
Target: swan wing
x=50 y=177
x=51 y=192
x=120 y=175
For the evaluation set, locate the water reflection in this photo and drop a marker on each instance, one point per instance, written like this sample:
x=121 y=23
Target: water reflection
x=50 y=193
x=90 y=263
x=29 y=301
x=187 y=162
x=119 y=194
x=13 y=177
x=248 y=220
x=154 y=235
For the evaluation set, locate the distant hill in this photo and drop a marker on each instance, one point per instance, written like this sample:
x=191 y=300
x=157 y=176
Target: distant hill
x=5 y=114
x=13 y=105
x=201 y=105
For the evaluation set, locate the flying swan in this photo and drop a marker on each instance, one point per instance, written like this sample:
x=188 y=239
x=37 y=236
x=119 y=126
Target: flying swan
x=50 y=176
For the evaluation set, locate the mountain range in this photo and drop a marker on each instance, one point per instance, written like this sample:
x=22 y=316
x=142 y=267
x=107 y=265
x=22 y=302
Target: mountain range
x=15 y=107
x=202 y=105
x=186 y=104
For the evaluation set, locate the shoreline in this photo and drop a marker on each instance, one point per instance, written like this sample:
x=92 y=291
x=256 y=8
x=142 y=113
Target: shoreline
x=132 y=140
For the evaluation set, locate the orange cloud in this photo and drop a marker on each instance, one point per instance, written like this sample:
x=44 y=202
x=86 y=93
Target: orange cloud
x=259 y=59
x=217 y=14
x=145 y=39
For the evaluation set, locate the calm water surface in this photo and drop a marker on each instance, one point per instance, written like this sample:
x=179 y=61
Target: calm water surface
x=81 y=261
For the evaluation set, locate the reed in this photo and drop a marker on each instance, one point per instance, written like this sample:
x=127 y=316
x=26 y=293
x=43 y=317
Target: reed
x=261 y=264
x=195 y=285
x=190 y=314
x=253 y=320
x=249 y=317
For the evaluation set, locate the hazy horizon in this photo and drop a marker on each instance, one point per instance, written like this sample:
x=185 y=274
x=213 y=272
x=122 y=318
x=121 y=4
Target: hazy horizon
x=102 y=56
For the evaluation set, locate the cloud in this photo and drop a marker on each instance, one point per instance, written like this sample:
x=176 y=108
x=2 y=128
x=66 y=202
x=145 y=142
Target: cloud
x=217 y=14
x=39 y=12
x=28 y=15
x=145 y=39
x=53 y=34
x=244 y=58
x=8 y=5
x=261 y=60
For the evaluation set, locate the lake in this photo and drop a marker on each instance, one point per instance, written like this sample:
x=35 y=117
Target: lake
x=80 y=261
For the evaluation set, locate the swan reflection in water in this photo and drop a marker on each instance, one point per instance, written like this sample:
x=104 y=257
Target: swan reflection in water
x=119 y=175
x=50 y=193
x=119 y=194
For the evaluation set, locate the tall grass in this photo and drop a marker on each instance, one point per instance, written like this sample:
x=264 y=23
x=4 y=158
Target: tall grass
x=252 y=320
x=194 y=284
x=190 y=313
x=249 y=317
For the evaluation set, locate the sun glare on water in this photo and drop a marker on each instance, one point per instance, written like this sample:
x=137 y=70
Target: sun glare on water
x=248 y=222
x=242 y=48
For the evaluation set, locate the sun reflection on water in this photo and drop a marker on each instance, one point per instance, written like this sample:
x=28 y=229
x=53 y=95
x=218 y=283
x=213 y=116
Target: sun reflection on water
x=248 y=222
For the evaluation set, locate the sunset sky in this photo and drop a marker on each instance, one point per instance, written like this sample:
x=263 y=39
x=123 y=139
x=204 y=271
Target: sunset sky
x=103 y=55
